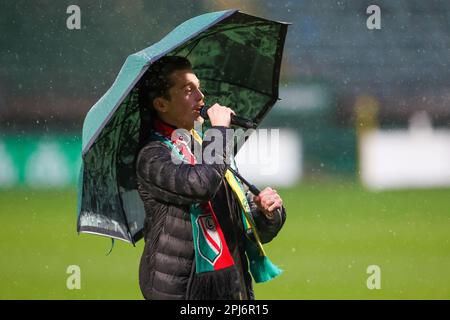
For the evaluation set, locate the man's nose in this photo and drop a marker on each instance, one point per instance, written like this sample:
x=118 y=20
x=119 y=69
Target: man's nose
x=200 y=95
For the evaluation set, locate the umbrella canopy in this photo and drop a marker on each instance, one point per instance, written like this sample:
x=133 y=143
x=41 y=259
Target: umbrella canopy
x=236 y=56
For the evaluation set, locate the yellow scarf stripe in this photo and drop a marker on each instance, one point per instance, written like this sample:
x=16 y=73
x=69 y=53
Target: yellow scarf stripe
x=232 y=181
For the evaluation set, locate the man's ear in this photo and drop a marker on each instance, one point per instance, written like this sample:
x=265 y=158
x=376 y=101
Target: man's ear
x=160 y=104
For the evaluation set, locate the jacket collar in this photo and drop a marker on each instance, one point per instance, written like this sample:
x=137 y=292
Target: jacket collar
x=164 y=128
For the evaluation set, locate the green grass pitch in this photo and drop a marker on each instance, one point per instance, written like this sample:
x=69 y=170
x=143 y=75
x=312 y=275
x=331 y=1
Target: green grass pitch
x=334 y=231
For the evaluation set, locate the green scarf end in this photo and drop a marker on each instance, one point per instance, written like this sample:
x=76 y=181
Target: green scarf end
x=262 y=269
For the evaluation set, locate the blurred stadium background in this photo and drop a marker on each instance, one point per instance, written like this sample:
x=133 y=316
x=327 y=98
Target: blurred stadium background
x=363 y=165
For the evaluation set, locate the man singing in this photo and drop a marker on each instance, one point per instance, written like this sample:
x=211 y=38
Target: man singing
x=203 y=232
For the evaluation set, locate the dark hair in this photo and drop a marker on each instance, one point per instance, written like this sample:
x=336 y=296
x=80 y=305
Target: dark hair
x=156 y=83
x=158 y=80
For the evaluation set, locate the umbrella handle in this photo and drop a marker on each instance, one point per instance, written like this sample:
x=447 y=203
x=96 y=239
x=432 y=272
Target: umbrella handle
x=253 y=189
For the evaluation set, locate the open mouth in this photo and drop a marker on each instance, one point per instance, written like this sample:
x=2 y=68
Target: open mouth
x=197 y=109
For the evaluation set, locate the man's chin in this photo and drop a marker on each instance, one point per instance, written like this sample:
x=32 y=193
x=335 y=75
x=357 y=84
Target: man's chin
x=199 y=119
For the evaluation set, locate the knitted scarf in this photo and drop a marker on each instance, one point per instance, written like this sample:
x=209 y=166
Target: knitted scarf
x=210 y=247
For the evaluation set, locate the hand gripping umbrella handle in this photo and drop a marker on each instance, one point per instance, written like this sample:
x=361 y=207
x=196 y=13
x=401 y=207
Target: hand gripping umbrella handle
x=253 y=189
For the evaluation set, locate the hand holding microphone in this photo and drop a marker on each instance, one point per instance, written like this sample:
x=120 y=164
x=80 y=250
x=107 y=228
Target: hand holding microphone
x=224 y=116
x=217 y=114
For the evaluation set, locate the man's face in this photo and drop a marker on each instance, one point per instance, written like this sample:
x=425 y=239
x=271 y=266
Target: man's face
x=186 y=100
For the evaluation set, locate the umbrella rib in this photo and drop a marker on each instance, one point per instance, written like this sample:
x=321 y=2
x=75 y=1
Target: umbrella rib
x=276 y=74
x=239 y=85
x=118 y=188
x=257 y=24
x=105 y=134
x=193 y=47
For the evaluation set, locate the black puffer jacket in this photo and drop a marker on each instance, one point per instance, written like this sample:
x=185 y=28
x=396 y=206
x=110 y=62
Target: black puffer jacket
x=167 y=268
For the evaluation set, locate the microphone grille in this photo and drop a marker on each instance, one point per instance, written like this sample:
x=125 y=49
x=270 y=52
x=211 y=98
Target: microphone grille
x=204 y=112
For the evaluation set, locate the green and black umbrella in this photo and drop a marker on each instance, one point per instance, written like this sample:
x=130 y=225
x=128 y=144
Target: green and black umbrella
x=236 y=56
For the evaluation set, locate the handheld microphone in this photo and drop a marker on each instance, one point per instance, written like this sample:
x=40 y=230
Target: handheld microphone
x=236 y=120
